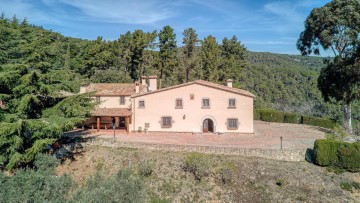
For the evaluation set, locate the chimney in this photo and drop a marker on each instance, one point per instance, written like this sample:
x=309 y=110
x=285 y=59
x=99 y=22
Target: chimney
x=137 y=87
x=229 y=82
x=153 y=82
x=143 y=80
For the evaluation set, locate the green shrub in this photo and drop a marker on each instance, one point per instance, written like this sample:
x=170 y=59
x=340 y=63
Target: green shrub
x=270 y=115
x=10 y=118
x=34 y=186
x=316 y=121
x=122 y=187
x=45 y=163
x=356 y=125
x=335 y=169
x=346 y=186
x=325 y=152
x=256 y=114
x=349 y=186
x=146 y=168
x=226 y=175
x=291 y=118
x=198 y=164
x=337 y=154
x=280 y=182
x=349 y=156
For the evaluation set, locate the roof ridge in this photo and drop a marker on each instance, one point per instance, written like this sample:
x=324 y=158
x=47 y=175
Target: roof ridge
x=202 y=82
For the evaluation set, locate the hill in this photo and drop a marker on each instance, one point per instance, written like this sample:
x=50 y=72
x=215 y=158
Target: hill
x=280 y=81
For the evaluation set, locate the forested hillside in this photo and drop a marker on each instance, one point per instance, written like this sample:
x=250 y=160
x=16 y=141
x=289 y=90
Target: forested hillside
x=283 y=82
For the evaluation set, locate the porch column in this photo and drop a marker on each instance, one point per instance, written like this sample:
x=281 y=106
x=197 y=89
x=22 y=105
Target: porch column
x=98 y=123
x=117 y=119
x=127 y=124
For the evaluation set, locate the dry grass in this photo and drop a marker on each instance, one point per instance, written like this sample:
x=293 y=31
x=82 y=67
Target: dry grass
x=252 y=179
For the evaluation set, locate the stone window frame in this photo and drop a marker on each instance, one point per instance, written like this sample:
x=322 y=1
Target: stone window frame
x=122 y=100
x=162 y=122
x=141 y=102
x=202 y=103
x=176 y=103
x=228 y=123
x=232 y=107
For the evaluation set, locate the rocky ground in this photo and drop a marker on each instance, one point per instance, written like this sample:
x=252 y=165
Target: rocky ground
x=251 y=179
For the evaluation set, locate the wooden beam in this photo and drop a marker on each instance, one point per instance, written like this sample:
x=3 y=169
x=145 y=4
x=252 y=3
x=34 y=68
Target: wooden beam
x=98 y=123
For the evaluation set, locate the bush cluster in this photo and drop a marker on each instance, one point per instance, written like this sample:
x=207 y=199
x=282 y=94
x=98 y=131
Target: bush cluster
x=321 y=122
x=146 y=168
x=198 y=164
x=337 y=154
x=349 y=186
x=226 y=175
x=40 y=184
x=271 y=115
x=122 y=187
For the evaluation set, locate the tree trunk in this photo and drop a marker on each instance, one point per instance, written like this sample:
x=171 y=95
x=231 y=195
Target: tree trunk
x=347 y=114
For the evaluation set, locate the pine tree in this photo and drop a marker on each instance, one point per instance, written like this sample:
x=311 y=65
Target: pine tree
x=211 y=59
x=234 y=59
x=167 y=54
x=190 y=41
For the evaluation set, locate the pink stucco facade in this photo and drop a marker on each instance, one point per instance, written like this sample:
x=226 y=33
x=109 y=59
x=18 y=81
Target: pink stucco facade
x=191 y=116
x=161 y=111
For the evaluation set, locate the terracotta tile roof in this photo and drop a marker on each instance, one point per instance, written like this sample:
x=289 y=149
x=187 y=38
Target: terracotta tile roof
x=205 y=83
x=111 y=112
x=114 y=89
x=226 y=88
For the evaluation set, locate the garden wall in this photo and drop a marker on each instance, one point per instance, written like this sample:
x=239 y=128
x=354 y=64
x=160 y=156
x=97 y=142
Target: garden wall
x=276 y=154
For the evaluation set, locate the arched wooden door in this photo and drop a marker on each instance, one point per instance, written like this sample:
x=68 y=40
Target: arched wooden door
x=208 y=126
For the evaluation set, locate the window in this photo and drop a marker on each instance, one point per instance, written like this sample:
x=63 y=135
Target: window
x=232 y=123
x=205 y=103
x=232 y=103
x=97 y=99
x=166 y=122
x=179 y=103
x=122 y=100
x=192 y=96
x=141 y=104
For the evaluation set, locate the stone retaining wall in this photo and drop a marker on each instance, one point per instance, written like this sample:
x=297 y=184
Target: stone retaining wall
x=277 y=154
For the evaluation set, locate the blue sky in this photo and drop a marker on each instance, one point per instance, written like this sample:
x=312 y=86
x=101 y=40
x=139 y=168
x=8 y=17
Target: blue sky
x=263 y=25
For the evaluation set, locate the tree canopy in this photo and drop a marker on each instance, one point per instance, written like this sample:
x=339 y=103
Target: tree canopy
x=336 y=27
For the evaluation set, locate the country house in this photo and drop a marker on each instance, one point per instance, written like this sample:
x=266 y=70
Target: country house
x=198 y=106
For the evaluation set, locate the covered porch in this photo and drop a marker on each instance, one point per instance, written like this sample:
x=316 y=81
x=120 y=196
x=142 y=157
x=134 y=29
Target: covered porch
x=107 y=118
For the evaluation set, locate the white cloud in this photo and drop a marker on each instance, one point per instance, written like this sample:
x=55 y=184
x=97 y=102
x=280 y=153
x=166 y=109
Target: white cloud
x=128 y=12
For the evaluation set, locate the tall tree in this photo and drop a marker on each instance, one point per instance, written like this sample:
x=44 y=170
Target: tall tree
x=131 y=51
x=211 y=59
x=167 y=54
x=124 y=48
x=141 y=42
x=234 y=59
x=335 y=27
x=34 y=115
x=190 y=40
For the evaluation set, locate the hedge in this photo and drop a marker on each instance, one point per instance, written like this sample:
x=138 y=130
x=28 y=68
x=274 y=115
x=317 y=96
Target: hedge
x=337 y=154
x=256 y=114
x=271 y=115
x=291 y=118
x=321 y=122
